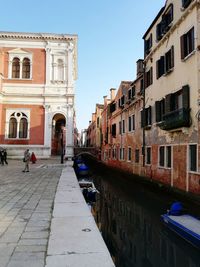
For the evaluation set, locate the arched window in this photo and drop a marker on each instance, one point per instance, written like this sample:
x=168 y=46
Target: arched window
x=18 y=125
x=60 y=68
x=12 y=128
x=23 y=128
x=15 y=68
x=26 y=68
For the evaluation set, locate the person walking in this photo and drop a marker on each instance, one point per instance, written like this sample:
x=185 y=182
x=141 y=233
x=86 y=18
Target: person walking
x=1 y=157
x=26 y=160
x=5 y=156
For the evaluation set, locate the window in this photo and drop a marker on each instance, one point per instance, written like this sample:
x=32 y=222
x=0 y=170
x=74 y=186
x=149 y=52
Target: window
x=160 y=109
x=193 y=158
x=129 y=154
x=131 y=93
x=18 y=125
x=120 y=127
x=187 y=43
x=113 y=130
x=186 y=3
x=12 y=128
x=137 y=155
x=146 y=117
x=16 y=68
x=122 y=153
x=148 y=45
x=148 y=157
x=60 y=70
x=114 y=153
x=165 y=64
x=165 y=156
x=149 y=77
x=123 y=126
x=131 y=123
x=165 y=23
x=26 y=68
x=112 y=107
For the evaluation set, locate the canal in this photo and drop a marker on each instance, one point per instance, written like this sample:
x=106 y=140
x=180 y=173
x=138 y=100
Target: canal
x=128 y=216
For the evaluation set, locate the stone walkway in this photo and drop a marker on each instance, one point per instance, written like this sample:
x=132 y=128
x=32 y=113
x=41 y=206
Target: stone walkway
x=26 y=201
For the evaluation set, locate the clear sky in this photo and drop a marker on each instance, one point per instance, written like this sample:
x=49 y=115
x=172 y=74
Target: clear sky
x=109 y=39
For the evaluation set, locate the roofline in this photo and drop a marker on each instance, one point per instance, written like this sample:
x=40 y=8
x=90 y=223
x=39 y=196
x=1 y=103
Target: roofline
x=154 y=21
x=37 y=36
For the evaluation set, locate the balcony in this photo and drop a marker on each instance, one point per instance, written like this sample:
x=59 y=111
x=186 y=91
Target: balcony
x=176 y=119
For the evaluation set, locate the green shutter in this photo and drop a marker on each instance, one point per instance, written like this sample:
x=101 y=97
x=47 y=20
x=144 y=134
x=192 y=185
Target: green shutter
x=158 y=111
x=186 y=96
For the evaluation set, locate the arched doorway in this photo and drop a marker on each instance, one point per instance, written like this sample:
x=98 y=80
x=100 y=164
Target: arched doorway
x=58 y=126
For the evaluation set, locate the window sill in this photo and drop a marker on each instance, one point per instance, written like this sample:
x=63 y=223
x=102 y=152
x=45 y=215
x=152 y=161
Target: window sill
x=168 y=72
x=19 y=79
x=188 y=56
x=18 y=139
x=194 y=172
x=163 y=167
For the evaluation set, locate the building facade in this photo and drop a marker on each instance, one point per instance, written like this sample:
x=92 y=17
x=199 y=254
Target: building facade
x=38 y=74
x=172 y=82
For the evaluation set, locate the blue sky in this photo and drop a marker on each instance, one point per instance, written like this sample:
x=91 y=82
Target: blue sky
x=109 y=39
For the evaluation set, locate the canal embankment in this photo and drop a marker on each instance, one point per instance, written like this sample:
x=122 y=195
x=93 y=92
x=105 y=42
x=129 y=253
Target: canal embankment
x=74 y=238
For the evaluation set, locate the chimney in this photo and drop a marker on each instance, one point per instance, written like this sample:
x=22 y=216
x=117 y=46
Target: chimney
x=112 y=93
x=140 y=67
x=93 y=117
x=105 y=100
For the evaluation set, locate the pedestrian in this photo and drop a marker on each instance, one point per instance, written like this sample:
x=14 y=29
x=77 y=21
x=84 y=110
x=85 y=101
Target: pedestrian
x=26 y=160
x=2 y=157
x=33 y=157
x=5 y=156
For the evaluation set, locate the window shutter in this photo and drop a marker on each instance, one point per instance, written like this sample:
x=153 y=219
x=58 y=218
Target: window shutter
x=172 y=57
x=149 y=115
x=158 y=111
x=186 y=96
x=151 y=75
x=157 y=69
x=168 y=103
x=142 y=118
x=182 y=46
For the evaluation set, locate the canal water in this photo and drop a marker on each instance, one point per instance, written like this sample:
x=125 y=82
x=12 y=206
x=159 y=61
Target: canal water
x=128 y=216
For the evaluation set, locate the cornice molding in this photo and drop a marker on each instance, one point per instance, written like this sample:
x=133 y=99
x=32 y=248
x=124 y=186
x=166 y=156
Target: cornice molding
x=37 y=36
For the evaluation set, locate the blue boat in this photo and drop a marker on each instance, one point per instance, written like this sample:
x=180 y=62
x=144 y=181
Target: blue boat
x=185 y=225
x=82 y=169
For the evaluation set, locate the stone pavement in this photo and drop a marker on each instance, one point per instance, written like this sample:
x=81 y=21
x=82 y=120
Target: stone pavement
x=26 y=202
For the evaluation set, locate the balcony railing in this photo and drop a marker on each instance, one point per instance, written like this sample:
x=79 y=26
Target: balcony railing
x=176 y=119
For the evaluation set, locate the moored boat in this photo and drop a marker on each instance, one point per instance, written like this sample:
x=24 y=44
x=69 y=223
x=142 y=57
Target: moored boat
x=185 y=225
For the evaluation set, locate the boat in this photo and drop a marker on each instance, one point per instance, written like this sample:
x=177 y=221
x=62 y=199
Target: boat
x=89 y=190
x=82 y=169
x=183 y=224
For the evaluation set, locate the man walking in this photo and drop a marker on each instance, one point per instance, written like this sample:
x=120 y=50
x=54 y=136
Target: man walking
x=26 y=160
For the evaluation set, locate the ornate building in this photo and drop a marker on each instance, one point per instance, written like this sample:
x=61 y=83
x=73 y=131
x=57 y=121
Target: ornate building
x=37 y=77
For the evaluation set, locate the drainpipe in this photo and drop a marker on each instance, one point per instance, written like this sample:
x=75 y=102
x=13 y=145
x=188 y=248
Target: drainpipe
x=143 y=132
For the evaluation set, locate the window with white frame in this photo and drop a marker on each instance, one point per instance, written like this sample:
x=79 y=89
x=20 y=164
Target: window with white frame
x=20 y=64
x=122 y=153
x=17 y=125
x=131 y=123
x=114 y=153
x=193 y=157
x=165 y=155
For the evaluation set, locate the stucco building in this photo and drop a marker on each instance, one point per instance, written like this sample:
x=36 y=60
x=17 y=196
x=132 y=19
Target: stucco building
x=172 y=82
x=38 y=73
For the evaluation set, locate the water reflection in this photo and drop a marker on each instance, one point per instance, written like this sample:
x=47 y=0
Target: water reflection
x=129 y=219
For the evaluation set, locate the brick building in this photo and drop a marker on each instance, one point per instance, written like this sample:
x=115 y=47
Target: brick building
x=38 y=73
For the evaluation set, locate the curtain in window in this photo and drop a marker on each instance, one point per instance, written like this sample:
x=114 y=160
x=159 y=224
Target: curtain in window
x=23 y=128
x=12 y=128
x=15 y=68
x=26 y=68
